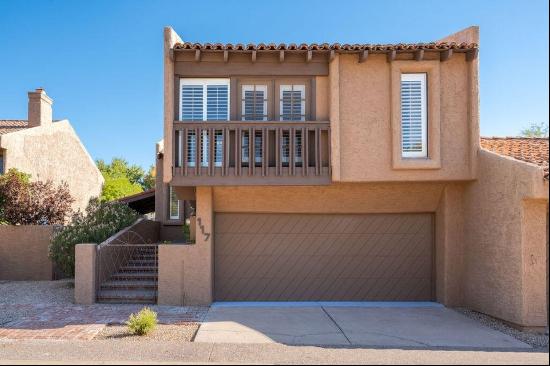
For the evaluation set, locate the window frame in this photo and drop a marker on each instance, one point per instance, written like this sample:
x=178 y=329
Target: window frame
x=205 y=82
x=178 y=201
x=432 y=68
x=423 y=78
x=243 y=88
x=303 y=100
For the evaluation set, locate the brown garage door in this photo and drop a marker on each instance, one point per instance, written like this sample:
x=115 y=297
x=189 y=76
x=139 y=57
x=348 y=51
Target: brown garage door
x=294 y=257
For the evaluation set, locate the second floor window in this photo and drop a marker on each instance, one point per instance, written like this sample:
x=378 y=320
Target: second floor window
x=414 y=122
x=254 y=103
x=204 y=99
x=292 y=103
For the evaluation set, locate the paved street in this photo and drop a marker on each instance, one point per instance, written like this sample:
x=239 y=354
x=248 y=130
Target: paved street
x=85 y=352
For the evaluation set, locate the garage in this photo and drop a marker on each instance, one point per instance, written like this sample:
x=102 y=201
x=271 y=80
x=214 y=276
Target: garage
x=323 y=257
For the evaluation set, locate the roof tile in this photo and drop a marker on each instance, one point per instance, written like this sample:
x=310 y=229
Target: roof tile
x=326 y=47
x=12 y=125
x=529 y=149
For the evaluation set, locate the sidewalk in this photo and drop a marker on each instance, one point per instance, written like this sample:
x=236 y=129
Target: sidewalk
x=85 y=352
x=75 y=322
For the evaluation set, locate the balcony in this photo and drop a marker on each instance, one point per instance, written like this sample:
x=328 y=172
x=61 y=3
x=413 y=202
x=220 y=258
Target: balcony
x=251 y=153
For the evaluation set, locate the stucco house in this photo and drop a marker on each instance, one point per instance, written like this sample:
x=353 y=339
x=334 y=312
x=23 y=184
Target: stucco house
x=49 y=150
x=335 y=172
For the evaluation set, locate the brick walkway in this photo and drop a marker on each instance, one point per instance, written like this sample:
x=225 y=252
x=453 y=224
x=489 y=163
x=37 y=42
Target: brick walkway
x=82 y=322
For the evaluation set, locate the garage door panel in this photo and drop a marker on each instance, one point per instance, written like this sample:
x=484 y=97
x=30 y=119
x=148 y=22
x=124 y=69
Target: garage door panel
x=293 y=257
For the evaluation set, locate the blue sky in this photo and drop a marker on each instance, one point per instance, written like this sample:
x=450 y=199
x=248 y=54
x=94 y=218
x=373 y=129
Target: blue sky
x=101 y=61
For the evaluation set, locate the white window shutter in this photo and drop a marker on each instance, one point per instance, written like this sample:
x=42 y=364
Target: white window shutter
x=217 y=103
x=293 y=103
x=254 y=103
x=414 y=122
x=192 y=97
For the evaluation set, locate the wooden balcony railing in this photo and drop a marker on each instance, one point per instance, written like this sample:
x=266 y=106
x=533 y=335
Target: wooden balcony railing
x=251 y=153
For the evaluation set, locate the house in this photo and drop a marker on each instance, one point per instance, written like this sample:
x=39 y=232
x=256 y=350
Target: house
x=49 y=150
x=344 y=172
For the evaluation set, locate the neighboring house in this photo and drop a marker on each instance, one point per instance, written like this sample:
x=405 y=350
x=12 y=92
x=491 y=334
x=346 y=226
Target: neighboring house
x=49 y=150
x=348 y=173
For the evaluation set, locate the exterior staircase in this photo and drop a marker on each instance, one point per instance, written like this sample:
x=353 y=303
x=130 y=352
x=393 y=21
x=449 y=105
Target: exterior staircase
x=134 y=281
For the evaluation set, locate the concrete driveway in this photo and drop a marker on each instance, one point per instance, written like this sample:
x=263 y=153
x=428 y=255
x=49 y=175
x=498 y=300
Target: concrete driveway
x=333 y=324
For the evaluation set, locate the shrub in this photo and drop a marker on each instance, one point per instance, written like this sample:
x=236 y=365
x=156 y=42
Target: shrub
x=32 y=203
x=97 y=223
x=143 y=322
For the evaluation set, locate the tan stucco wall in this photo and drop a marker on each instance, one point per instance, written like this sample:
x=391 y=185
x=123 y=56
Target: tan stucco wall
x=362 y=125
x=505 y=238
x=54 y=152
x=336 y=198
x=24 y=253
x=85 y=286
x=449 y=241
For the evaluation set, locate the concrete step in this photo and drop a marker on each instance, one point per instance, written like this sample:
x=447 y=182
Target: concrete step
x=134 y=269
x=144 y=258
x=150 y=285
x=133 y=263
x=134 y=276
x=127 y=297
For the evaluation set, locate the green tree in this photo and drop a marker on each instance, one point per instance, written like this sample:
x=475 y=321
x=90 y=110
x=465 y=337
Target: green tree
x=121 y=179
x=149 y=179
x=535 y=130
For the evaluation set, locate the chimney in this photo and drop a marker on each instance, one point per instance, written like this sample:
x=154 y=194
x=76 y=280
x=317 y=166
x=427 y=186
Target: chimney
x=40 y=108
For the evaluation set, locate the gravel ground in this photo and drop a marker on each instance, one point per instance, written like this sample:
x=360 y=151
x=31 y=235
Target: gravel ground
x=32 y=292
x=37 y=292
x=163 y=333
x=535 y=340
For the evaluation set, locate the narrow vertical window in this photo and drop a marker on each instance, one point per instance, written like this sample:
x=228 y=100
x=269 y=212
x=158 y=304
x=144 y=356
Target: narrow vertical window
x=174 y=205
x=414 y=122
x=293 y=103
x=254 y=103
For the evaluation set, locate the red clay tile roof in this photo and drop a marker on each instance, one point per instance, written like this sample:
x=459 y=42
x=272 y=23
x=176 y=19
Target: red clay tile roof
x=530 y=149
x=436 y=46
x=12 y=125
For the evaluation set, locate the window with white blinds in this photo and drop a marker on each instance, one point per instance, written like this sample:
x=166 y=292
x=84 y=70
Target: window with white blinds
x=293 y=103
x=174 y=205
x=204 y=99
x=205 y=148
x=245 y=147
x=254 y=103
x=285 y=147
x=414 y=123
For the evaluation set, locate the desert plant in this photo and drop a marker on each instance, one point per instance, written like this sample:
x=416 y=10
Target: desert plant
x=535 y=130
x=143 y=322
x=23 y=202
x=97 y=223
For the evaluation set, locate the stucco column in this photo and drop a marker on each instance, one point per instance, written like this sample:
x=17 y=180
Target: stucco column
x=449 y=249
x=534 y=273
x=85 y=274
x=199 y=260
x=171 y=286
